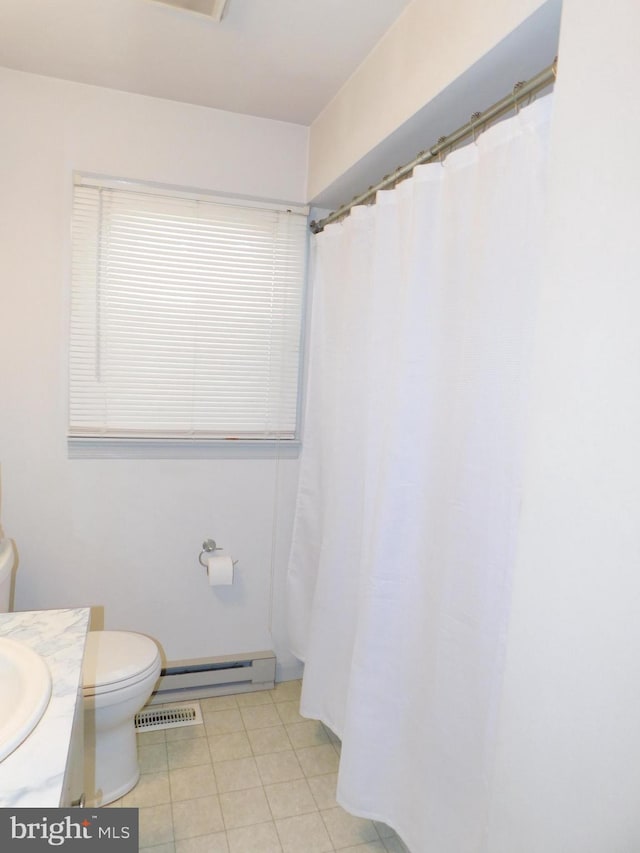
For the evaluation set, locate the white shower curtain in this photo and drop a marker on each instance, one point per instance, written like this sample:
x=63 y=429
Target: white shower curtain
x=407 y=512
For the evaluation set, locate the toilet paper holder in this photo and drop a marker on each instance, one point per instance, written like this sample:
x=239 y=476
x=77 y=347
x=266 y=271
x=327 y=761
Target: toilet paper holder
x=208 y=547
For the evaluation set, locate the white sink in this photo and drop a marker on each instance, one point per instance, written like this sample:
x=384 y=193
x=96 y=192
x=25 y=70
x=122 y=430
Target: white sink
x=25 y=689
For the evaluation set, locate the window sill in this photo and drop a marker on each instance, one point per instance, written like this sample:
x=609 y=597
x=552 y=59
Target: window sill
x=152 y=448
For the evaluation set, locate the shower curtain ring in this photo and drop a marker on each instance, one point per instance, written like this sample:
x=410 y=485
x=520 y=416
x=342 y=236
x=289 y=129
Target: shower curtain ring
x=516 y=89
x=475 y=117
x=439 y=149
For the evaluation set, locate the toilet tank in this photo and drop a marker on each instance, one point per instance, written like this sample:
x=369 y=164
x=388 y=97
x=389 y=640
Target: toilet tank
x=6 y=567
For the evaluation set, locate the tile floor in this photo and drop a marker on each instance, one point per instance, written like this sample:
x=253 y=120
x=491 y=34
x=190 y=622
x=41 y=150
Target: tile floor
x=256 y=777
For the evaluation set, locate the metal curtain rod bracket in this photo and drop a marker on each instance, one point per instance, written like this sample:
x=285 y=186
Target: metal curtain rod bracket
x=521 y=92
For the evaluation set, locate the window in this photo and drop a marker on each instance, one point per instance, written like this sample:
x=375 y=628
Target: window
x=185 y=316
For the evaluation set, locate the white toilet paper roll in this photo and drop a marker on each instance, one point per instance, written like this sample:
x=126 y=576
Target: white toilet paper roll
x=220 y=569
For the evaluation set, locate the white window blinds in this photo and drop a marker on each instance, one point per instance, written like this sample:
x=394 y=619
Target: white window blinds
x=185 y=317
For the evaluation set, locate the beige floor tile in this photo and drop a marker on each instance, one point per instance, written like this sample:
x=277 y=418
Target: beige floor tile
x=188 y=753
x=308 y=733
x=152 y=790
x=255 y=697
x=214 y=843
x=218 y=788
x=346 y=829
x=287 y=691
x=317 y=760
x=189 y=783
x=223 y=722
x=243 y=808
x=151 y=737
x=273 y=739
x=217 y=703
x=186 y=732
x=232 y=745
x=260 y=838
x=279 y=767
x=201 y=816
x=237 y=774
x=153 y=758
x=323 y=789
x=304 y=834
x=289 y=712
x=155 y=825
x=287 y=799
x=260 y=717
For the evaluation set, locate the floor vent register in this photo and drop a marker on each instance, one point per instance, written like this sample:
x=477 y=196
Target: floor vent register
x=168 y=716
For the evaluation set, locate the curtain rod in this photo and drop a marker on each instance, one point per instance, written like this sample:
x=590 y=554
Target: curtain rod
x=477 y=123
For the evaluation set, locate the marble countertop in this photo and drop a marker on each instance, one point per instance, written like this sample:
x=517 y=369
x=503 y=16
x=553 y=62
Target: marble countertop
x=34 y=773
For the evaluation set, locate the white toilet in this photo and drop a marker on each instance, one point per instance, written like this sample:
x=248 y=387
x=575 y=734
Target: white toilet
x=118 y=674
x=119 y=671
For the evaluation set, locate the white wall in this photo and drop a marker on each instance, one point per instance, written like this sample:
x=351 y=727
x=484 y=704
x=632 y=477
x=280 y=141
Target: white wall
x=568 y=773
x=125 y=534
x=430 y=45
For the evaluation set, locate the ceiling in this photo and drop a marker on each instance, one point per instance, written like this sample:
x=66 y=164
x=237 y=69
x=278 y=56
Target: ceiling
x=280 y=59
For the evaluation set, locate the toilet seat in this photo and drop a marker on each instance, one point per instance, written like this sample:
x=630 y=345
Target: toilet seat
x=114 y=660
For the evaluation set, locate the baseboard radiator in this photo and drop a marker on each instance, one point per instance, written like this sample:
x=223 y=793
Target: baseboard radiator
x=202 y=677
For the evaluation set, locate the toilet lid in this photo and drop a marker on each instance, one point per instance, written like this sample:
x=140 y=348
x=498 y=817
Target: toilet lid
x=117 y=658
